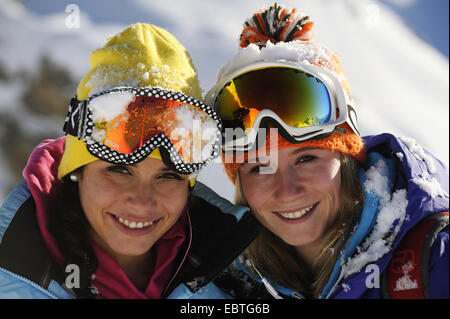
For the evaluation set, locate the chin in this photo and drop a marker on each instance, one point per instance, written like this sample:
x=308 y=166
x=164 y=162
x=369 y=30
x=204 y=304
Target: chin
x=294 y=241
x=300 y=239
x=128 y=249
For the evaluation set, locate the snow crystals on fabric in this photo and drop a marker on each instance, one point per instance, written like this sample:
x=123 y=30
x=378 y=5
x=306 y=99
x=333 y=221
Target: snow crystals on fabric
x=94 y=290
x=419 y=153
x=442 y=248
x=346 y=287
x=307 y=52
x=106 y=77
x=427 y=183
x=196 y=283
x=392 y=213
x=405 y=282
x=430 y=185
x=113 y=75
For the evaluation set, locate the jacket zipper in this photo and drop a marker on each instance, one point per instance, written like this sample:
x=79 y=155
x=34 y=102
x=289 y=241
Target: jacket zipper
x=31 y=283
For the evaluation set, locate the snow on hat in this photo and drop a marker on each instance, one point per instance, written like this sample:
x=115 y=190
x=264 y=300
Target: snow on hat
x=141 y=55
x=279 y=34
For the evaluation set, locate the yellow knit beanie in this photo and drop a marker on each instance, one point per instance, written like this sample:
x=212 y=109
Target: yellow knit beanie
x=141 y=55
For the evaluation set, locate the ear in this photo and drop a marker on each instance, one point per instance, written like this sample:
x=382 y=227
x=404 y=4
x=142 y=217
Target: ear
x=75 y=175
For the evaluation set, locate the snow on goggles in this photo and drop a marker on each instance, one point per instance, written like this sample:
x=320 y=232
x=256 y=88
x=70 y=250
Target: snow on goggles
x=124 y=125
x=302 y=101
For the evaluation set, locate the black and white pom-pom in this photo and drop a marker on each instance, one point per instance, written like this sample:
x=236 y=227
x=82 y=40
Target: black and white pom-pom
x=276 y=24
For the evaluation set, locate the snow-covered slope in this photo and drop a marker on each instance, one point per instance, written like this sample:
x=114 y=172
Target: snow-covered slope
x=399 y=81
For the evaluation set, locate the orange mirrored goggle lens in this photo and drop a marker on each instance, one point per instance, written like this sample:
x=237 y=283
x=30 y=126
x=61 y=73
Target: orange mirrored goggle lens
x=147 y=116
x=128 y=132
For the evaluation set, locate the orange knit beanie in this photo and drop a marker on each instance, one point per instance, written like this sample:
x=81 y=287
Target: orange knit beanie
x=279 y=26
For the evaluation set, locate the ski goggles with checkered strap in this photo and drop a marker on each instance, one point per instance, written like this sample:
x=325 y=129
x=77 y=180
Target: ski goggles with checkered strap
x=124 y=125
x=302 y=101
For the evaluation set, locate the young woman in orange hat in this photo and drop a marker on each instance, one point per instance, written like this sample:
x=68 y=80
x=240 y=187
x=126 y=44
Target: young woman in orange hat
x=335 y=206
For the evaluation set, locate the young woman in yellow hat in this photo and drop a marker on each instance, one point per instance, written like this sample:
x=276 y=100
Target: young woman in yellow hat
x=109 y=210
x=335 y=206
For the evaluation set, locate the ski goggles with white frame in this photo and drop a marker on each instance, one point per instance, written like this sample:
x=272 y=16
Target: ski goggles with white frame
x=303 y=101
x=123 y=125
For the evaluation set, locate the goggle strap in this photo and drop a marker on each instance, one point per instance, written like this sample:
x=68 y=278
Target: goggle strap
x=67 y=127
x=83 y=117
x=76 y=118
x=352 y=118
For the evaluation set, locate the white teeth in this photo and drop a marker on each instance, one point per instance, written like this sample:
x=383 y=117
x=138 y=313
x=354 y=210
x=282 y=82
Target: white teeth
x=297 y=214
x=133 y=225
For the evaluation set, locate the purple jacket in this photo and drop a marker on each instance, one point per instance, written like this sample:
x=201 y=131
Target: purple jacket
x=403 y=184
x=418 y=187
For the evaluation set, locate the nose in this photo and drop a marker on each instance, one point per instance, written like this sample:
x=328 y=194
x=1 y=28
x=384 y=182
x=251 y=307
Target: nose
x=288 y=185
x=142 y=196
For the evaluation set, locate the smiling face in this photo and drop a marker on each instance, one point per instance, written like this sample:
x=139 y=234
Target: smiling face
x=300 y=200
x=130 y=207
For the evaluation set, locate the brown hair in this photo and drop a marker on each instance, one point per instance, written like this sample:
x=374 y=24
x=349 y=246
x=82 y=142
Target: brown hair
x=279 y=261
x=70 y=228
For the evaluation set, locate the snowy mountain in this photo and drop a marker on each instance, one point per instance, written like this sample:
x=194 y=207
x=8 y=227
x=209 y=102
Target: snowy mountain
x=398 y=68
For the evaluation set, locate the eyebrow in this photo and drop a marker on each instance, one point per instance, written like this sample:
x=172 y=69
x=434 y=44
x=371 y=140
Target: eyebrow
x=163 y=169
x=122 y=164
x=168 y=169
x=299 y=150
x=304 y=149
